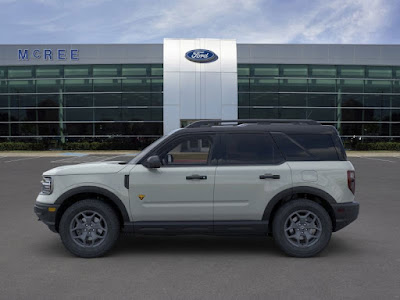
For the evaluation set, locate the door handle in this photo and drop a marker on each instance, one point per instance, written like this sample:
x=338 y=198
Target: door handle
x=270 y=176
x=195 y=176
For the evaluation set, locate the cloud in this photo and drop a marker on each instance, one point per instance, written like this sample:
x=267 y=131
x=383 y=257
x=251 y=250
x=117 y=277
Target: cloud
x=346 y=21
x=249 y=21
x=336 y=21
x=183 y=18
x=201 y=14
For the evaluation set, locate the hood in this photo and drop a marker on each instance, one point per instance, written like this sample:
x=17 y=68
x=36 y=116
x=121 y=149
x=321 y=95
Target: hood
x=107 y=167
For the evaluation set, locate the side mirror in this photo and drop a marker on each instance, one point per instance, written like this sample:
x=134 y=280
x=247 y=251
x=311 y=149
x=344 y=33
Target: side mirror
x=153 y=162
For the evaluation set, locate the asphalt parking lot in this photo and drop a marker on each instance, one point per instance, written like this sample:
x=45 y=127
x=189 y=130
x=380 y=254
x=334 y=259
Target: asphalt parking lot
x=361 y=262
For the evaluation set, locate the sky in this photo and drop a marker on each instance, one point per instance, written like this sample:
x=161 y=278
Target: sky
x=247 y=21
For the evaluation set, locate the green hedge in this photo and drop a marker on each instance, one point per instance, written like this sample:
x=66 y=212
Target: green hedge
x=135 y=145
x=83 y=145
x=10 y=146
x=388 y=146
x=88 y=146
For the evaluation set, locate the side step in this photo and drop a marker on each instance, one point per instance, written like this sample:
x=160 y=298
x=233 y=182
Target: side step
x=197 y=228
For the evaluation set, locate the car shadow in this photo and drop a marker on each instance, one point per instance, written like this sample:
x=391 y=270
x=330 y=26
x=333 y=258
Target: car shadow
x=194 y=245
x=50 y=247
x=211 y=245
x=341 y=246
x=198 y=245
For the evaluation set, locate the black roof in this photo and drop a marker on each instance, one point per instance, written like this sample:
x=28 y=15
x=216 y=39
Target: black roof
x=260 y=125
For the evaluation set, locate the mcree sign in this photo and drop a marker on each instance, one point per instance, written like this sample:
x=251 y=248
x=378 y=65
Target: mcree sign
x=201 y=56
x=48 y=54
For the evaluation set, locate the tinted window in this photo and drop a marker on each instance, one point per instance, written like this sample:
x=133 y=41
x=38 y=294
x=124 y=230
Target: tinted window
x=306 y=146
x=248 y=149
x=190 y=150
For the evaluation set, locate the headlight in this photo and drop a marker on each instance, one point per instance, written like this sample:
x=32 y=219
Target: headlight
x=47 y=186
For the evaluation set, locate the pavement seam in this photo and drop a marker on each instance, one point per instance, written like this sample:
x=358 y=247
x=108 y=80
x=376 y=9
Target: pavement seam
x=373 y=158
x=25 y=158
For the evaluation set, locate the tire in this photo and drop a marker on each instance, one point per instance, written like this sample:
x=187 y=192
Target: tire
x=295 y=239
x=89 y=228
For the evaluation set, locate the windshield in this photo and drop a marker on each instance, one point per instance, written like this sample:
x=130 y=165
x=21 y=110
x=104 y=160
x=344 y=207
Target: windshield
x=151 y=147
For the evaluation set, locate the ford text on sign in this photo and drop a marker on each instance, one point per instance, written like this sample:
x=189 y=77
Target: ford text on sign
x=201 y=56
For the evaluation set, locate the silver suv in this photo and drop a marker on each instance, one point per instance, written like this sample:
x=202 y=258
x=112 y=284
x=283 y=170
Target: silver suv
x=287 y=178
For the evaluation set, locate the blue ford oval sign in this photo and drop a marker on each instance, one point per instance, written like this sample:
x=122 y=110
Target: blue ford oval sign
x=201 y=56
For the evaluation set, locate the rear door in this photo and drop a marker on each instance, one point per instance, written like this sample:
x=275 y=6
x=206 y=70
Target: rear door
x=250 y=171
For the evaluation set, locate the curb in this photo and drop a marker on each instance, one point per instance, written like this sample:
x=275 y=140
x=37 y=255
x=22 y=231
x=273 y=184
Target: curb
x=65 y=153
x=134 y=152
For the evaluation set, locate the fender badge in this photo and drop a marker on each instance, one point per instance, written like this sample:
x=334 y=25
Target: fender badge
x=141 y=197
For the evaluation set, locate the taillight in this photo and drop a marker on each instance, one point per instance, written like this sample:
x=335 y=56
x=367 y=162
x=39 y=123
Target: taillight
x=351 y=181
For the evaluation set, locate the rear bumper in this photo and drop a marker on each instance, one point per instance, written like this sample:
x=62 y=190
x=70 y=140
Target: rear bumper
x=46 y=216
x=345 y=213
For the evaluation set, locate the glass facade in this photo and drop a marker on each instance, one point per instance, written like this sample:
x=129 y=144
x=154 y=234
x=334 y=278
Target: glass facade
x=78 y=102
x=358 y=100
x=75 y=102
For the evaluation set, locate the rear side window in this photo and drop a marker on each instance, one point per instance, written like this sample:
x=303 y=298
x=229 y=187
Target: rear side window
x=298 y=147
x=248 y=149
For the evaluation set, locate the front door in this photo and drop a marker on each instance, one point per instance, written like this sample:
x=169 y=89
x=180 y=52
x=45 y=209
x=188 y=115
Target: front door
x=182 y=189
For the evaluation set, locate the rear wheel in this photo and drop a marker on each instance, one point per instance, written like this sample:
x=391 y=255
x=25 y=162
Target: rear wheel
x=89 y=228
x=302 y=228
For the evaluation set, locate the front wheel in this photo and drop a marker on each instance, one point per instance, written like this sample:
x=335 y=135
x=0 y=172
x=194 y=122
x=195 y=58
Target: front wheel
x=302 y=228
x=89 y=228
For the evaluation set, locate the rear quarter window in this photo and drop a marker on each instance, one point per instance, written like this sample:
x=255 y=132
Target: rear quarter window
x=297 y=147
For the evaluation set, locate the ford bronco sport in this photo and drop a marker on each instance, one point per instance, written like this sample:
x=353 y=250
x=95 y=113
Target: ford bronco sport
x=287 y=178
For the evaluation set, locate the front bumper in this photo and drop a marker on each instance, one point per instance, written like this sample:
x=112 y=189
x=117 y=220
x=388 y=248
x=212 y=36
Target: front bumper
x=45 y=215
x=345 y=213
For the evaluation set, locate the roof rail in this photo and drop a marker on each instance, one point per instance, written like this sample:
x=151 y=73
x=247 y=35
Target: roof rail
x=217 y=122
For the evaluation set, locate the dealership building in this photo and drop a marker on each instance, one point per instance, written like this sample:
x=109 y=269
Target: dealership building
x=94 y=92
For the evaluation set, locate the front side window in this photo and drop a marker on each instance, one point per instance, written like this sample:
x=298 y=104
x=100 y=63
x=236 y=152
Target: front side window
x=248 y=149
x=190 y=150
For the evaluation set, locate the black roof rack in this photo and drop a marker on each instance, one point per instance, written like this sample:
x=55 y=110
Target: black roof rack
x=209 y=123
